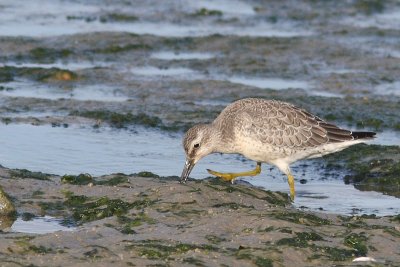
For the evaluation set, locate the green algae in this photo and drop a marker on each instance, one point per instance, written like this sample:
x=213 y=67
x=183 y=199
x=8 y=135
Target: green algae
x=147 y=174
x=207 y=12
x=250 y=254
x=213 y=239
x=263 y=262
x=8 y=74
x=232 y=205
x=158 y=249
x=81 y=179
x=370 y=7
x=333 y=253
x=131 y=222
x=47 y=55
x=301 y=240
x=372 y=167
x=27 y=247
x=51 y=207
x=118 y=17
x=120 y=120
x=37 y=194
x=266 y=229
x=301 y=218
x=286 y=230
x=392 y=231
x=85 y=179
x=27 y=216
x=112 y=17
x=85 y=209
x=358 y=243
x=23 y=173
x=396 y=218
x=116 y=180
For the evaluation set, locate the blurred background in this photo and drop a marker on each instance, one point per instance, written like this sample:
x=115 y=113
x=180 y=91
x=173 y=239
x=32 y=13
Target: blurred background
x=101 y=86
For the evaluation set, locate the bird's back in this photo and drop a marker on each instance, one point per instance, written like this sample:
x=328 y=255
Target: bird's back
x=278 y=129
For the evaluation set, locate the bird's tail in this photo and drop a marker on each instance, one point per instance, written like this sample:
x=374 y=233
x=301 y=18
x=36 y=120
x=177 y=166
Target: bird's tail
x=363 y=135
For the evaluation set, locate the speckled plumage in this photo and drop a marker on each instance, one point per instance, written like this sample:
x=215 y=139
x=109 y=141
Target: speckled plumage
x=268 y=131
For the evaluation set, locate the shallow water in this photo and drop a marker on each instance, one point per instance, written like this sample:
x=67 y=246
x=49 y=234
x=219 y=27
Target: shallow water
x=333 y=196
x=388 y=89
x=50 y=18
x=270 y=83
x=386 y=20
x=387 y=138
x=39 y=225
x=24 y=88
x=169 y=55
x=153 y=71
x=75 y=150
x=73 y=66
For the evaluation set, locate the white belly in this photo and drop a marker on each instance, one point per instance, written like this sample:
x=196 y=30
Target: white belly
x=263 y=152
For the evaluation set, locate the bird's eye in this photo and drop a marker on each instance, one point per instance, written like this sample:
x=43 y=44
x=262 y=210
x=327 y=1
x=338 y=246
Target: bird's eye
x=196 y=145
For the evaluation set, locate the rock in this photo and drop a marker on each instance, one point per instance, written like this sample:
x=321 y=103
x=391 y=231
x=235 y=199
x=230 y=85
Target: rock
x=6 y=206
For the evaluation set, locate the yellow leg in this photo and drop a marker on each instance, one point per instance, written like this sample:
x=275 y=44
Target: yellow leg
x=291 y=185
x=231 y=176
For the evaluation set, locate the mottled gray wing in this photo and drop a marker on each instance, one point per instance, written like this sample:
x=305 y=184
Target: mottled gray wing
x=284 y=125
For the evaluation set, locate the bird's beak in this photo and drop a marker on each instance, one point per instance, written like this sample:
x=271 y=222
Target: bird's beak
x=189 y=164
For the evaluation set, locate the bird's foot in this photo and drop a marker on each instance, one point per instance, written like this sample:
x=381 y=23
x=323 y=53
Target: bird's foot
x=230 y=177
x=291 y=186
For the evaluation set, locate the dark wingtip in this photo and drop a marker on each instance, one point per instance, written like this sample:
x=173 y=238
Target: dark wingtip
x=363 y=135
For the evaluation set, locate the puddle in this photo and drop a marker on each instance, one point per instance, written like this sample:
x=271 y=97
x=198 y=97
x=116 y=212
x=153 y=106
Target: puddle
x=270 y=83
x=387 y=138
x=72 y=66
x=212 y=103
x=152 y=28
x=281 y=84
x=326 y=192
x=75 y=150
x=153 y=71
x=324 y=94
x=388 y=89
x=168 y=55
x=199 y=30
x=337 y=197
x=33 y=114
x=388 y=20
x=340 y=71
x=39 y=225
x=82 y=92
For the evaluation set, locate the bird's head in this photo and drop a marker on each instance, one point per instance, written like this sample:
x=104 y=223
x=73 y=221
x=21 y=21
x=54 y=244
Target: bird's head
x=197 y=144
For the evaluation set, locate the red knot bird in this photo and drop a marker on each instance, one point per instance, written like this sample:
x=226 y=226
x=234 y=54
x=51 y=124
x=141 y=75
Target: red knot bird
x=266 y=131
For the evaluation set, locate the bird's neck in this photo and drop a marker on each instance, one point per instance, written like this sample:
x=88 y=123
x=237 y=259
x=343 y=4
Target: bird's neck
x=220 y=141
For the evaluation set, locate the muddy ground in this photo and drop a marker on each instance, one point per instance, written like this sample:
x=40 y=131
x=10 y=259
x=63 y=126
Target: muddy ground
x=341 y=60
x=145 y=220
